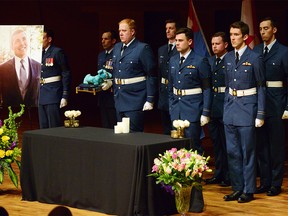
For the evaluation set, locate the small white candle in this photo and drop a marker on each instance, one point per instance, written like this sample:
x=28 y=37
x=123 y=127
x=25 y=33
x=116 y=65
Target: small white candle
x=121 y=125
x=125 y=128
x=117 y=129
x=126 y=121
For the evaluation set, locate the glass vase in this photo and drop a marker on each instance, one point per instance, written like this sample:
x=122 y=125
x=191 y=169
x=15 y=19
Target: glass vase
x=71 y=123
x=182 y=200
x=180 y=132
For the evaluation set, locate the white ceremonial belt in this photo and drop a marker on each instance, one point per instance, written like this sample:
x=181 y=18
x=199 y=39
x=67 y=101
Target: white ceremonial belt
x=275 y=84
x=219 y=89
x=164 y=81
x=241 y=93
x=183 y=92
x=50 y=79
x=129 y=80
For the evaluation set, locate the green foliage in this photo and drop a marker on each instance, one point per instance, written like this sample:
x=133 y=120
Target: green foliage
x=9 y=150
x=179 y=168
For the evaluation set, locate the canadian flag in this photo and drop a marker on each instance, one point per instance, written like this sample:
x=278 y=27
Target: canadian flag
x=248 y=16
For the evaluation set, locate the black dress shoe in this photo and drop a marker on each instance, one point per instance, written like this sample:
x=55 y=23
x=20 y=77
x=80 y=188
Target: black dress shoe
x=246 y=197
x=233 y=196
x=274 y=191
x=212 y=181
x=261 y=189
x=225 y=183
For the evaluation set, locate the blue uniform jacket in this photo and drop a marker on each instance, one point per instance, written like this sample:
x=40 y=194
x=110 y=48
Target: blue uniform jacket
x=194 y=71
x=276 y=69
x=137 y=60
x=163 y=68
x=51 y=93
x=248 y=73
x=218 y=80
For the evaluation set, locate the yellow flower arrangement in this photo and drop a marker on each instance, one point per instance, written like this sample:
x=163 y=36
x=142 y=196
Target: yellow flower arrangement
x=9 y=150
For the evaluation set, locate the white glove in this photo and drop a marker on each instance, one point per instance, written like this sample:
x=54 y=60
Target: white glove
x=285 y=115
x=106 y=85
x=204 y=120
x=147 y=106
x=259 y=122
x=63 y=102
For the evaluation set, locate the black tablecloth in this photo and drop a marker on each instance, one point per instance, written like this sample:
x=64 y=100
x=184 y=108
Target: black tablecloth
x=93 y=168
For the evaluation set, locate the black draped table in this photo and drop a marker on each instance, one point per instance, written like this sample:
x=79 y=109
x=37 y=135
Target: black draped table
x=95 y=169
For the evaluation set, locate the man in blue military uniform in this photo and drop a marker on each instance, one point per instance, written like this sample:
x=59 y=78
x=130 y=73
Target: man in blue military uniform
x=216 y=127
x=106 y=98
x=55 y=83
x=244 y=106
x=189 y=96
x=271 y=137
x=164 y=54
x=135 y=77
x=189 y=87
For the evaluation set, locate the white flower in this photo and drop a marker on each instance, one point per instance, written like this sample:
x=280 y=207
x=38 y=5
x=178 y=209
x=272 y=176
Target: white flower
x=179 y=168
x=180 y=123
x=186 y=123
x=67 y=113
x=72 y=113
x=78 y=113
x=176 y=123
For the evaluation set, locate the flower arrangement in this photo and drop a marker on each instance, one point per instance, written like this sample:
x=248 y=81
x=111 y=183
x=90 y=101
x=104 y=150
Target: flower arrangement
x=9 y=150
x=180 y=125
x=72 y=114
x=176 y=169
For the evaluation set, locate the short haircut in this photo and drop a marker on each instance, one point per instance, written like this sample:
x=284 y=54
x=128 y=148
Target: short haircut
x=244 y=28
x=172 y=21
x=114 y=34
x=49 y=33
x=273 y=22
x=130 y=22
x=60 y=210
x=187 y=31
x=222 y=35
x=3 y=211
x=16 y=32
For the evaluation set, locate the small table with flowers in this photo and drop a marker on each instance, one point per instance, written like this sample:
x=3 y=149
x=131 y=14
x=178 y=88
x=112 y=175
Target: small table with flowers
x=95 y=169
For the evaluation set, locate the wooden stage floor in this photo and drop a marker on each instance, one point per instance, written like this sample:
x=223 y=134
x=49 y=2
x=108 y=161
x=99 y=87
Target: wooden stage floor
x=10 y=198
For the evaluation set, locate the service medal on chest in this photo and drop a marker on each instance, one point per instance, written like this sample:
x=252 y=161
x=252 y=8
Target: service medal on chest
x=49 y=62
x=109 y=64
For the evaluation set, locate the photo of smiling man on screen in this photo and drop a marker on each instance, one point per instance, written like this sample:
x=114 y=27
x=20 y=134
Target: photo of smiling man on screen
x=19 y=71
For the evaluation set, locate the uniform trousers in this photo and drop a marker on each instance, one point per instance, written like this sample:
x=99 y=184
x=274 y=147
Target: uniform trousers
x=49 y=116
x=217 y=134
x=136 y=119
x=271 y=152
x=166 y=122
x=194 y=131
x=241 y=145
x=108 y=117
